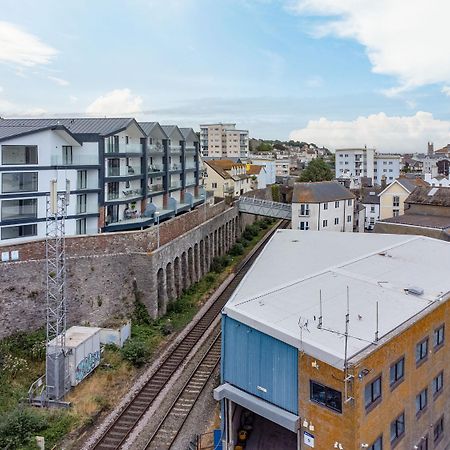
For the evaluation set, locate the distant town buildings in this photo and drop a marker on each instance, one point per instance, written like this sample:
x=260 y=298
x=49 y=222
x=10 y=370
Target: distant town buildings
x=322 y=206
x=223 y=140
x=356 y=163
x=371 y=202
x=123 y=174
x=339 y=341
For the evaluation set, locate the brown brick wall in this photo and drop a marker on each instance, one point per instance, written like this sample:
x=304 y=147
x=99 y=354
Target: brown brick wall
x=355 y=426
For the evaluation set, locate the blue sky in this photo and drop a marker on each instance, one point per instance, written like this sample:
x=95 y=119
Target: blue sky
x=336 y=72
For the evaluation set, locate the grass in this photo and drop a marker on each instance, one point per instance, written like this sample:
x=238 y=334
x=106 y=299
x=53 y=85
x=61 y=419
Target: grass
x=22 y=361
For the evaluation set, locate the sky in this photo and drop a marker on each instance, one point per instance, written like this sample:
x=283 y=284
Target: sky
x=340 y=73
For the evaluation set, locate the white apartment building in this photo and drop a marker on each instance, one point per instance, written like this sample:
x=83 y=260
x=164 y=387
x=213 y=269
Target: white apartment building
x=223 y=140
x=120 y=173
x=322 y=206
x=282 y=167
x=366 y=162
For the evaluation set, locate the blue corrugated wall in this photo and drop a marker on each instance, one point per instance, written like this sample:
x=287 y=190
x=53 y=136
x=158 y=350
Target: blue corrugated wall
x=251 y=359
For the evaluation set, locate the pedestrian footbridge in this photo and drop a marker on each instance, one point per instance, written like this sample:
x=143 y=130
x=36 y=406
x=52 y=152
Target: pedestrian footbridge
x=251 y=205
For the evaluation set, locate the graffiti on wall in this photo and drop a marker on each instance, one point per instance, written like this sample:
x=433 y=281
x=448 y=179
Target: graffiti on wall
x=87 y=365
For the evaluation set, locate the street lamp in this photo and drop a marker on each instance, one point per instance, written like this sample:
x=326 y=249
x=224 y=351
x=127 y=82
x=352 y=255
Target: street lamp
x=157 y=225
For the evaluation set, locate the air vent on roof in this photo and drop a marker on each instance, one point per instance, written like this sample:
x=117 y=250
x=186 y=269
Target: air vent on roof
x=432 y=192
x=372 y=193
x=415 y=290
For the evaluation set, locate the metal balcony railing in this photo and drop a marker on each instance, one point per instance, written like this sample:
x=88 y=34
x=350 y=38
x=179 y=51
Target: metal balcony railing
x=126 y=194
x=155 y=188
x=123 y=171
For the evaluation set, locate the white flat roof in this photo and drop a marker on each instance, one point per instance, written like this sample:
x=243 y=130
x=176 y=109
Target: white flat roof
x=283 y=288
x=76 y=335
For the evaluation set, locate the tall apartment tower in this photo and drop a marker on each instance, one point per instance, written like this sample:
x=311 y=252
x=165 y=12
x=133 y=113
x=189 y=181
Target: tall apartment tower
x=223 y=140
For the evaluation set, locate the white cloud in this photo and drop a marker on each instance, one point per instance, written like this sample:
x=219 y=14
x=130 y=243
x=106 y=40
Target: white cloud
x=385 y=133
x=59 y=81
x=407 y=39
x=21 y=48
x=446 y=90
x=120 y=102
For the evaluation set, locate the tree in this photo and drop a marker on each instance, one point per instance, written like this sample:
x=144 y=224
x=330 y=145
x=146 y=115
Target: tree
x=264 y=147
x=317 y=170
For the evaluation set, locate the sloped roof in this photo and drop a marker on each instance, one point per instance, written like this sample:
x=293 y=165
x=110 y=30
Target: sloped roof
x=371 y=197
x=420 y=220
x=11 y=131
x=253 y=169
x=222 y=172
x=430 y=195
x=189 y=132
x=320 y=192
x=226 y=164
x=170 y=130
x=100 y=126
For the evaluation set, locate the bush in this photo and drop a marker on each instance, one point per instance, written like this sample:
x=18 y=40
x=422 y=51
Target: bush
x=237 y=249
x=135 y=352
x=218 y=264
x=247 y=235
x=19 y=426
x=140 y=314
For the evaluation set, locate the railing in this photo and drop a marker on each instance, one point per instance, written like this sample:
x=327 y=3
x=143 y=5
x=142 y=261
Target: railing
x=123 y=148
x=74 y=160
x=155 y=187
x=156 y=148
x=125 y=194
x=175 y=167
x=175 y=184
x=189 y=149
x=191 y=166
x=123 y=171
x=190 y=182
x=175 y=149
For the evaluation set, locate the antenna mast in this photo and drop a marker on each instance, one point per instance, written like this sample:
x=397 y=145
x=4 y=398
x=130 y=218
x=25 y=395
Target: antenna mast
x=347 y=376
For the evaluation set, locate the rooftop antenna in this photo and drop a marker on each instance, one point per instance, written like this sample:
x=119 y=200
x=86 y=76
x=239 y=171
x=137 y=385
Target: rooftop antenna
x=302 y=324
x=347 y=376
x=319 y=325
x=51 y=388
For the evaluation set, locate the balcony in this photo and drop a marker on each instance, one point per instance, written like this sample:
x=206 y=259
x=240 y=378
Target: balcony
x=74 y=160
x=155 y=169
x=191 y=182
x=175 y=149
x=175 y=167
x=124 y=171
x=156 y=148
x=123 y=148
x=175 y=185
x=156 y=188
x=191 y=149
x=126 y=194
x=190 y=166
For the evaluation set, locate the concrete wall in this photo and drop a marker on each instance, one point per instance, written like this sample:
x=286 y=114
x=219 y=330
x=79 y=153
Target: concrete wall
x=106 y=273
x=398 y=228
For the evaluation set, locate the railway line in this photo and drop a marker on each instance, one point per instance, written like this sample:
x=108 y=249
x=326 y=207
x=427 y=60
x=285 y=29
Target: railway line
x=118 y=431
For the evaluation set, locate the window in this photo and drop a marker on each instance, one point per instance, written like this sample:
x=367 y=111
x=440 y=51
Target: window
x=326 y=396
x=304 y=210
x=395 y=212
x=398 y=428
x=395 y=200
x=349 y=202
x=336 y=221
x=438 y=430
x=324 y=223
x=421 y=401
x=214 y=185
x=423 y=444
x=67 y=154
x=438 y=337
x=81 y=203
x=19 y=231
x=336 y=204
x=372 y=209
x=325 y=206
x=397 y=372
x=438 y=384
x=422 y=351
x=19 y=154
x=377 y=445
x=19 y=182
x=304 y=225
x=127 y=140
x=19 y=209
x=349 y=218
x=82 y=179
x=372 y=392
x=81 y=226
x=390 y=163
x=113 y=191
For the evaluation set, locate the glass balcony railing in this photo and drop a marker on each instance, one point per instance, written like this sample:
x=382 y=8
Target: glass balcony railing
x=190 y=166
x=156 y=148
x=174 y=167
x=155 y=188
x=175 y=184
x=126 y=194
x=175 y=149
x=74 y=160
x=190 y=149
x=123 y=171
x=155 y=168
x=123 y=148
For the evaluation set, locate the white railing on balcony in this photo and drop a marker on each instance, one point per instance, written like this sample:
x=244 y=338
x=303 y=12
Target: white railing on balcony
x=123 y=171
x=155 y=188
x=73 y=160
x=123 y=148
x=125 y=194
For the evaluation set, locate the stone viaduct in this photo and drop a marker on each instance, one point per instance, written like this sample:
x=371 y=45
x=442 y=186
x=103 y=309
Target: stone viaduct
x=106 y=273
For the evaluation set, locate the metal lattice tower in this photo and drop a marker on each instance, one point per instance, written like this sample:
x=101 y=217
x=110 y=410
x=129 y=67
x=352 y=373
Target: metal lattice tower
x=56 y=371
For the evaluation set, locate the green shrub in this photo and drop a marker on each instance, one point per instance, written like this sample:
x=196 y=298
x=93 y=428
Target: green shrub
x=219 y=263
x=135 y=351
x=237 y=249
x=19 y=426
x=140 y=314
x=247 y=235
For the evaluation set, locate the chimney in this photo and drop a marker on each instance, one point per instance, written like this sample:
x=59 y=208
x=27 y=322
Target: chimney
x=430 y=148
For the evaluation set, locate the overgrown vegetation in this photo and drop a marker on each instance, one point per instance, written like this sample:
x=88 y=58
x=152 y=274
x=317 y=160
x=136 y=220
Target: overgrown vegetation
x=22 y=360
x=317 y=170
x=276 y=197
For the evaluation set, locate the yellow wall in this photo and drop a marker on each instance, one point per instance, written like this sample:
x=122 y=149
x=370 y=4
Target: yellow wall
x=386 y=200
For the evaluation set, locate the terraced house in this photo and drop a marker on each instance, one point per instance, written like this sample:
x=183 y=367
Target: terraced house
x=122 y=175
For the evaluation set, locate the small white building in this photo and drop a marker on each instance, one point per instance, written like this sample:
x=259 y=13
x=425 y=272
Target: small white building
x=322 y=206
x=371 y=202
x=269 y=166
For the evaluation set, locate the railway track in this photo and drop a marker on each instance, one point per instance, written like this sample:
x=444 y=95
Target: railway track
x=171 y=424
x=118 y=431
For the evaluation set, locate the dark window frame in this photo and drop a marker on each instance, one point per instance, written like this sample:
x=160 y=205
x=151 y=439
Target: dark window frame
x=374 y=401
x=20 y=227
x=399 y=434
x=35 y=180
x=422 y=398
x=377 y=444
x=32 y=202
x=423 y=356
x=397 y=379
x=325 y=404
x=438 y=430
x=436 y=334
x=435 y=384
x=27 y=148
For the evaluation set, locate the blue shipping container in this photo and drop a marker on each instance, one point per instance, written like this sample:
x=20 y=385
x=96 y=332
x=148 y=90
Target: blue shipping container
x=260 y=364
